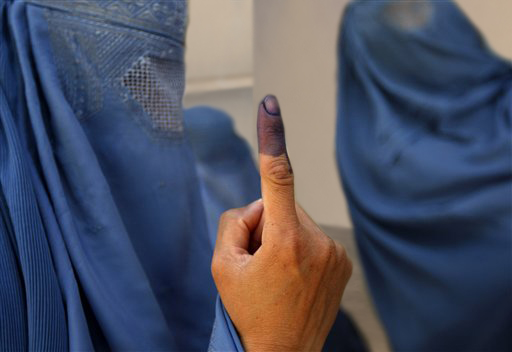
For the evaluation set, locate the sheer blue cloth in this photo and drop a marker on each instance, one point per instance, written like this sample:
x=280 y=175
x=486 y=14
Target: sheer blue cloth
x=424 y=150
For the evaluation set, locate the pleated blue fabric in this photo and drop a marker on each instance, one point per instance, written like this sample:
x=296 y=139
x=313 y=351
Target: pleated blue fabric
x=103 y=237
x=424 y=149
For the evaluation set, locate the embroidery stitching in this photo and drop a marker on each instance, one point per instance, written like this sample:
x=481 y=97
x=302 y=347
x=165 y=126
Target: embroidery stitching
x=145 y=69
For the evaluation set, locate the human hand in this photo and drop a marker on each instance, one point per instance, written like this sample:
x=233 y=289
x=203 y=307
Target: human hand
x=279 y=276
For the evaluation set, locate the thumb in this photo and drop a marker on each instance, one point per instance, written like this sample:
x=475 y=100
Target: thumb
x=236 y=226
x=275 y=168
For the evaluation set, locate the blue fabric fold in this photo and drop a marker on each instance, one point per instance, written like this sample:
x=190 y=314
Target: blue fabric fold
x=224 y=336
x=102 y=210
x=424 y=150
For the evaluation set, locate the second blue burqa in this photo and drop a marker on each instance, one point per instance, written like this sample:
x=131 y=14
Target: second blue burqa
x=425 y=153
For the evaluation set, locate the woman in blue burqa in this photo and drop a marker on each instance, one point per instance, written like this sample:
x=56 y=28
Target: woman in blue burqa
x=424 y=146
x=104 y=241
x=109 y=196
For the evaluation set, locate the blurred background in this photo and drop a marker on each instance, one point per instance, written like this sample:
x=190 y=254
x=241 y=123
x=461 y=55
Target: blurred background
x=240 y=50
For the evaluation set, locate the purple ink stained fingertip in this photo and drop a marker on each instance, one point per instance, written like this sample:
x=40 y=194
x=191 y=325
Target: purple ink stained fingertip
x=271 y=105
x=271 y=139
x=270 y=127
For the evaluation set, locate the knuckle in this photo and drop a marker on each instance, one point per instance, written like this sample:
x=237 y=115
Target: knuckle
x=216 y=268
x=327 y=251
x=327 y=258
x=278 y=172
x=292 y=248
x=344 y=260
x=349 y=268
x=224 y=217
x=233 y=219
x=230 y=216
x=220 y=269
x=342 y=252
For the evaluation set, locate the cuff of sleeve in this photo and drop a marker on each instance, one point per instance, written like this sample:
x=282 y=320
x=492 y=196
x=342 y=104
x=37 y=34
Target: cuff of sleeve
x=224 y=336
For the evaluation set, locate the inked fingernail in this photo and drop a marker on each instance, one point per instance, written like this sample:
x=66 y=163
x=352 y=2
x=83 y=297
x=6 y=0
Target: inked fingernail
x=271 y=105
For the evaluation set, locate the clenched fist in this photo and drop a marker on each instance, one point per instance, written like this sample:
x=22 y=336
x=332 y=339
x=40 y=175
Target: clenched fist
x=279 y=276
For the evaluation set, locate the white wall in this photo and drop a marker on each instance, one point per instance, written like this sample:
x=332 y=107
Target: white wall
x=219 y=59
x=295 y=59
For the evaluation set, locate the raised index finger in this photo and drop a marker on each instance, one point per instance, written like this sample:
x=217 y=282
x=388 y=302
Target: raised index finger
x=277 y=184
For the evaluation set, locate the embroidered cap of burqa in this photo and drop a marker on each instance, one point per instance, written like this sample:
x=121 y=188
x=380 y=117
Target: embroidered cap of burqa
x=424 y=150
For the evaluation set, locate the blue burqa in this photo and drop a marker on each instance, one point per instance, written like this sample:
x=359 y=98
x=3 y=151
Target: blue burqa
x=424 y=146
x=109 y=193
x=104 y=240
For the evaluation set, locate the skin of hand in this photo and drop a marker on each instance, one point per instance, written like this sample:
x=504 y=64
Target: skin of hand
x=279 y=276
